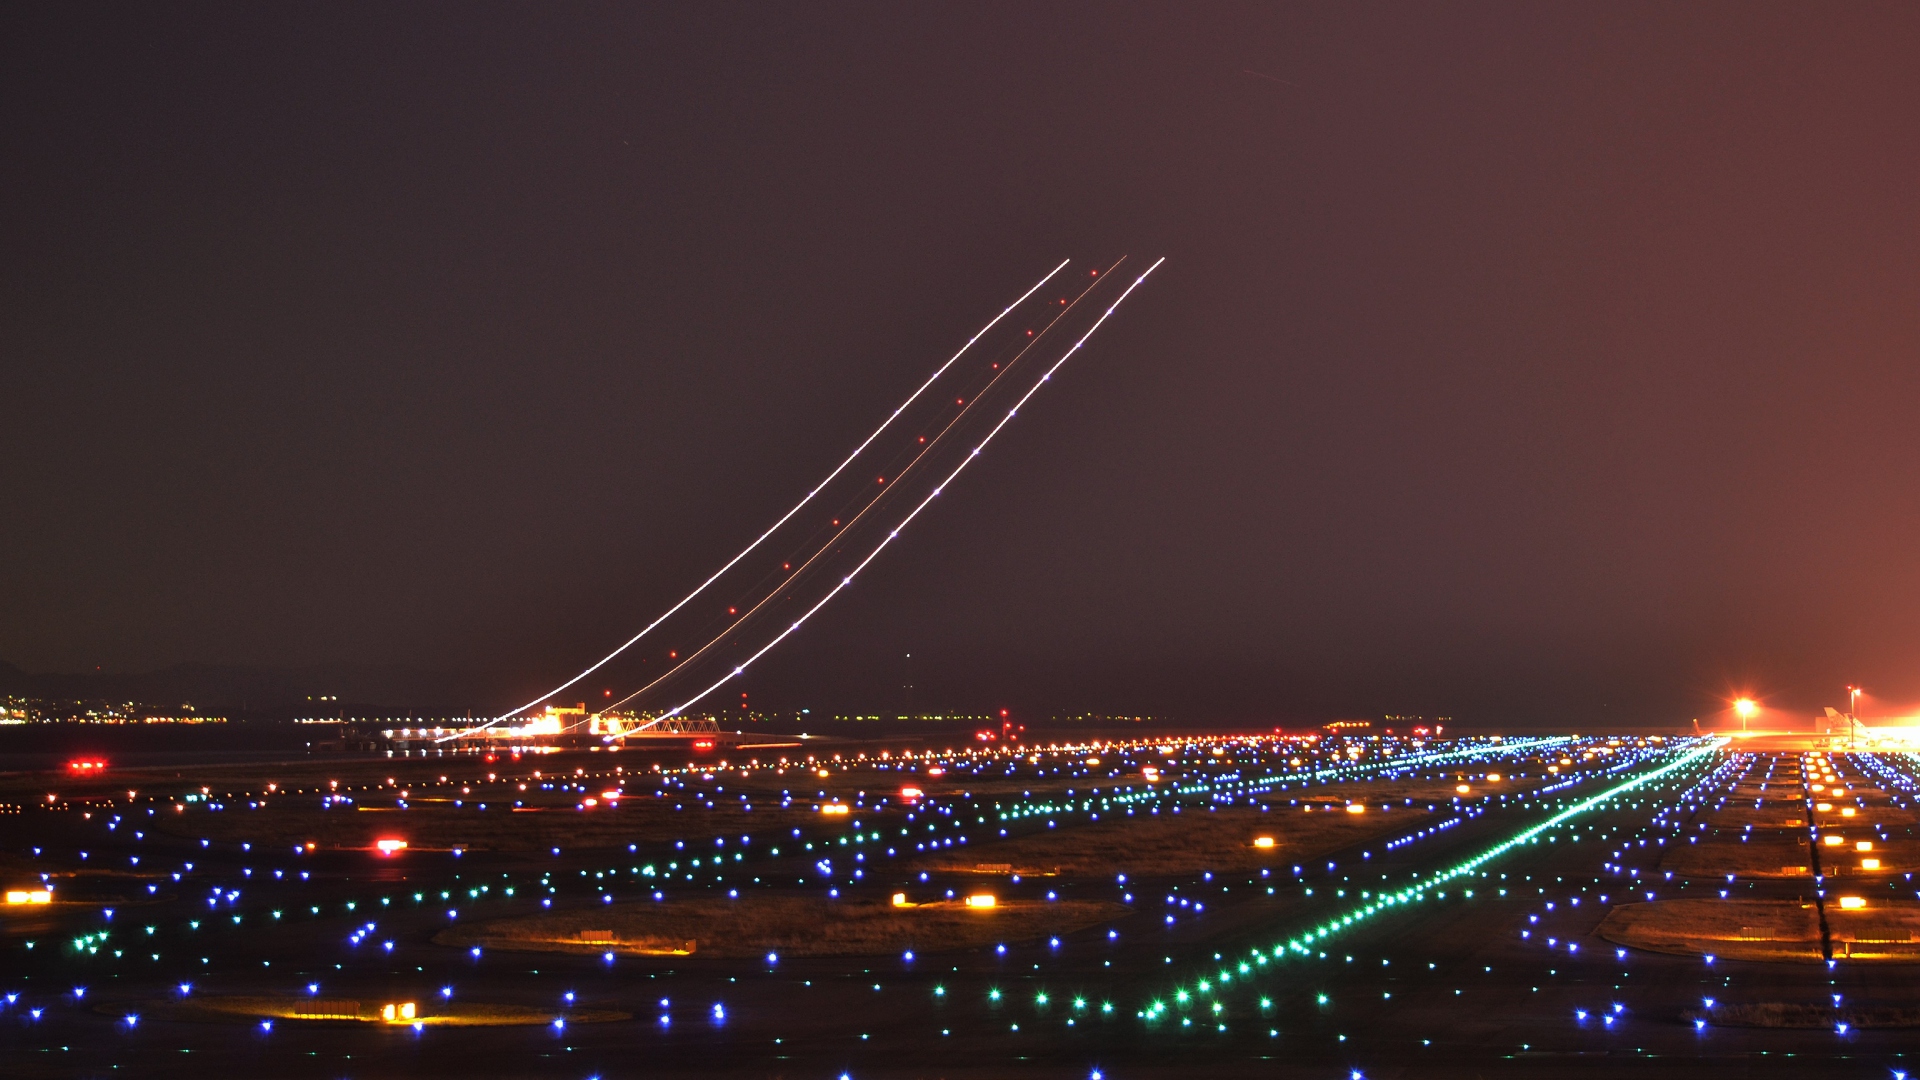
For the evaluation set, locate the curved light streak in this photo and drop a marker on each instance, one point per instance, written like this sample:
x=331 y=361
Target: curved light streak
x=784 y=518
x=854 y=520
x=894 y=534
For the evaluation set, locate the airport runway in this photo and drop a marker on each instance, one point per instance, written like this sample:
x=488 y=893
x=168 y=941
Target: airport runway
x=1498 y=969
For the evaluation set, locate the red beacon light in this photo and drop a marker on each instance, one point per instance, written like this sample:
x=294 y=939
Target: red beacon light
x=390 y=847
x=911 y=793
x=86 y=765
x=703 y=744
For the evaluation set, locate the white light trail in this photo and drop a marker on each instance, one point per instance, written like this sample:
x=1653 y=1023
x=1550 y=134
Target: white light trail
x=784 y=518
x=854 y=521
x=904 y=522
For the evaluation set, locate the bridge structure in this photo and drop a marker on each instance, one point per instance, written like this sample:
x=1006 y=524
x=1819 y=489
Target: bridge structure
x=675 y=728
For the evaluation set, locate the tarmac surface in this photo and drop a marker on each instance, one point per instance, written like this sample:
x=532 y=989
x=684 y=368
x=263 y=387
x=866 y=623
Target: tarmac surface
x=1470 y=945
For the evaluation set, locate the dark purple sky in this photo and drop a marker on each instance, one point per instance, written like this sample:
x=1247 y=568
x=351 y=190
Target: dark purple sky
x=1535 y=362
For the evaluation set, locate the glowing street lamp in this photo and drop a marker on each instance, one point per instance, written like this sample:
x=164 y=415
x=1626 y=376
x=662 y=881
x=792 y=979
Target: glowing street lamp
x=1746 y=709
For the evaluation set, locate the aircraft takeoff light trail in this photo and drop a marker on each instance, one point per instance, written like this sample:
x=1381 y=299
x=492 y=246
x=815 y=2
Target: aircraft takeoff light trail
x=852 y=522
x=784 y=518
x=894 y=534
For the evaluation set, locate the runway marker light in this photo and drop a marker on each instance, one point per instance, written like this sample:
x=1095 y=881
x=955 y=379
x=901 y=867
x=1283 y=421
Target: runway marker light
x=1869 y=864
x=1863 y=845
x=389 y=846
x=29 y=896
x=1845 y=812
x=1852 y=903
x=900 y=900
x=400 y=1013
x=1833 y=841
x=1263 y=841
x=982 y=901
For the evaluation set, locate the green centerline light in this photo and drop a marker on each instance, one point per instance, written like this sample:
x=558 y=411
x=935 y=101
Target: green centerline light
x=1418 y=893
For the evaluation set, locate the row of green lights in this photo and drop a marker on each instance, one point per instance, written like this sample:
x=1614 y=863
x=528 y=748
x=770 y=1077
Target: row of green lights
x=1234 y=783
x=1417 y=893
x=1149 y=794
x=1156 y=795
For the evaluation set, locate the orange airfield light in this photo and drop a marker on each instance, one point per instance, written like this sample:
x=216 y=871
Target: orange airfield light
x=390 y=846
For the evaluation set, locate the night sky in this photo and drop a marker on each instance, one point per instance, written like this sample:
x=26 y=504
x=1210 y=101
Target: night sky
x=1527 y=364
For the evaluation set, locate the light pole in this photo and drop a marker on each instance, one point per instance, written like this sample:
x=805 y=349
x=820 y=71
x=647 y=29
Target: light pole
x=1745 y=708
